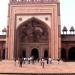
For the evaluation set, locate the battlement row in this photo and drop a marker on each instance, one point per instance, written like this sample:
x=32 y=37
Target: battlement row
x=33 y=1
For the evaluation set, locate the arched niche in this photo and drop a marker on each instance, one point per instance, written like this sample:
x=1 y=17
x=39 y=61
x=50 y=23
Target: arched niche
x=32 y=31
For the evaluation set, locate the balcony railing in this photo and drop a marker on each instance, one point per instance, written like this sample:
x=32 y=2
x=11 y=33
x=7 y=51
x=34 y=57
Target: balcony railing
x=32 y=1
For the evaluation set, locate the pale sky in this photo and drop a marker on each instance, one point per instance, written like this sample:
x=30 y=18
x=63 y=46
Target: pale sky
x=67 y=8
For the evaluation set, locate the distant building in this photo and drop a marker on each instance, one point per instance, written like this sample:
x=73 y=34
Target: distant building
x=3 y=52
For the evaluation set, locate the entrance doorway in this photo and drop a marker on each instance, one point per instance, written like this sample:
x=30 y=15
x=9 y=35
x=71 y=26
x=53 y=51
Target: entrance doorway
x=72 y=54
x=46 y=54
x=35 y=53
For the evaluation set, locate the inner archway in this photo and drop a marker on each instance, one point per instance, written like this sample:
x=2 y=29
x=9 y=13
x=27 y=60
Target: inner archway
x=71 y=54
x=35 y=53
x=32 y=33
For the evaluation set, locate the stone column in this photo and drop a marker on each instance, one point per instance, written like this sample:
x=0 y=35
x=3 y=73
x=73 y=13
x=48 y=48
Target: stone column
x=40 y=52
x=28 y=51
x=6 y=53
x=49 y=44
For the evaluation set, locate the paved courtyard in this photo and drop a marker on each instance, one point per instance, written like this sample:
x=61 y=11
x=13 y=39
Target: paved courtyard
x=63 y=67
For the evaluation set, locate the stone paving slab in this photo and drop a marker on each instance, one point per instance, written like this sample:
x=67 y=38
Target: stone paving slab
x=62 y=67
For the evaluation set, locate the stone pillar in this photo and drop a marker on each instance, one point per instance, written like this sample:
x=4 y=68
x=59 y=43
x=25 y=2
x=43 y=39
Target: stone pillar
x=49 y=44
x=29 y=51
x=41 y=52
x=6 y=53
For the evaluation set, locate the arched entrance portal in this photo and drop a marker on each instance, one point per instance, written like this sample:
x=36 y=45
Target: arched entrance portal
x=71 y=54
x=31 y=33
x=35 y=53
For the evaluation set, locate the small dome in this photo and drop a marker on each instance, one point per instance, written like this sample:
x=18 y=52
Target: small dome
x=64 y=29
x=72 y=29
x=4 y=30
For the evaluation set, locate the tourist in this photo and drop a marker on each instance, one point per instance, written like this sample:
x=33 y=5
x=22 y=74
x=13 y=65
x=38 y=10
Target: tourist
x=47 y=61
x=58 y=60
x=29 y=60
x=38 y=60
x=24 y=60
x=42 y=63
x=50 y=60
x=21 y=61
x=15 y=61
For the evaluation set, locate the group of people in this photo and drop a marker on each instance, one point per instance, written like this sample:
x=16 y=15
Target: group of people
x=48 y=61
x=32 y=60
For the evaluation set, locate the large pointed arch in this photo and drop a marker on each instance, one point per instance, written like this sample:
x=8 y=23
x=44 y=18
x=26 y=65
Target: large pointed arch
x=31 y=31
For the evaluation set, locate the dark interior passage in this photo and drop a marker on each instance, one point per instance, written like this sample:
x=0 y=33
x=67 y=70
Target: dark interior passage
x=35 y=53
x=71 y=55
x=46 y=54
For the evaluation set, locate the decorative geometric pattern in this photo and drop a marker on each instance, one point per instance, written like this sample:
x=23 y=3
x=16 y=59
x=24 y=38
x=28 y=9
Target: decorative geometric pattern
x=20 y=19
x=33 y=31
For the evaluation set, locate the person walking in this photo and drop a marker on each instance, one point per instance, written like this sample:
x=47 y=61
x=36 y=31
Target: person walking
x=21 y=61
x=15 y=61
x=29 y=60
x=50 y=60
x=58 y=60
x=24 y=60
x=43 y=63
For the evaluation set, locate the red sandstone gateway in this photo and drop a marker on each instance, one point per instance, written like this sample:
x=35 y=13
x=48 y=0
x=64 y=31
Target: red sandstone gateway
x=33 y=29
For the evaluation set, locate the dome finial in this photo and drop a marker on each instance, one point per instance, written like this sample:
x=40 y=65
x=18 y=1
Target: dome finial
x=72 y=29
x=64 y=29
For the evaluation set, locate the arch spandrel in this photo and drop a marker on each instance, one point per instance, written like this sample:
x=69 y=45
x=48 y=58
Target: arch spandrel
x=33 y=18
x=44 y=18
